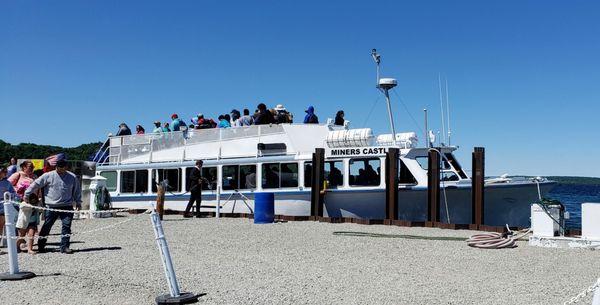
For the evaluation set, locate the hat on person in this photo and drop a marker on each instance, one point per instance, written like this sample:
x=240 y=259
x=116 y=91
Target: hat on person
x=310 y=109
x=279 y=107
x=61 y=163
x=200 y=115
x=174 y=116
x=156 y=122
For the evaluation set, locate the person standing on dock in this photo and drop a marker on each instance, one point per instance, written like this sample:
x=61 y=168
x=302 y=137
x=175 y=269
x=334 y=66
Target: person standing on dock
x=62 y=191
x=195 y=187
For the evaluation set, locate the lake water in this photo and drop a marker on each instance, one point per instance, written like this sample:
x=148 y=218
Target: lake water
x=572 y=196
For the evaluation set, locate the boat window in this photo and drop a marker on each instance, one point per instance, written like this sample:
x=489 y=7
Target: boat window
x=209 y=178
x=333 y=173
x=230 y=177
x=247 y=176
x=270 y=175
x=449 y=176
x=456 y=165
x=424 y=162
x=172 y=176
x=134 y=181
x=307 y=174
x=365 y=171
x=111 y=180
x=404 y=175
x=289 y=175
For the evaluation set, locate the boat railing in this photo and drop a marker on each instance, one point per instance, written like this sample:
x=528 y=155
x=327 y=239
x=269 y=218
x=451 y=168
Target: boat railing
x=121 y=148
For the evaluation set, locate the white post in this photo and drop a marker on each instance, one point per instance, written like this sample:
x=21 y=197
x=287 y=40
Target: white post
x=218 y=212
x=10 y=217
x=9 y=228
x=165 y=255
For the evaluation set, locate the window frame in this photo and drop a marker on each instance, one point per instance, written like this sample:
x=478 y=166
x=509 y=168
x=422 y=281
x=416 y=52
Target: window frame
x=352 y=160
x=135 y=181
x=116 y=187
x=179 y=180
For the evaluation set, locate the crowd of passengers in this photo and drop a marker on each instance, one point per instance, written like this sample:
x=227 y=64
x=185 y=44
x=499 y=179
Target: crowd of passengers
x=261 y=116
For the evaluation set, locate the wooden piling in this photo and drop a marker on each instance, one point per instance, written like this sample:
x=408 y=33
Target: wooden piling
x=160 y=200
x=433 y=186
x=316 y=183
x=391 y=183
x=477 y=186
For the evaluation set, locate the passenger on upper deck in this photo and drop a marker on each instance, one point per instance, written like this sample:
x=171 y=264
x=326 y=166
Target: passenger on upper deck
x=123 y=130
x=166 y=127
x=157 y=128
x=246 y=119
x=223 y=122
x=235 y=115
x=282 y=115
x=311 y=117
x=205 y=123
x=339 y=118
x=139 y=129
x=263 y=117
x=177 y=123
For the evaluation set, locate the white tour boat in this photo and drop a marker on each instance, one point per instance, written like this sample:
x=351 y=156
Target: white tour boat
x=240 y=161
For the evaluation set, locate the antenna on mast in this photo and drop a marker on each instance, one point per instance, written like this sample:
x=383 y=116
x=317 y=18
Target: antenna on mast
x=442 y=109
x=448 y=113
x=384 y=85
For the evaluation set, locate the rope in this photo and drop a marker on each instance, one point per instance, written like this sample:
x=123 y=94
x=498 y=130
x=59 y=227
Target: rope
x=584 y=293
x=83 y=232
x=27 y=205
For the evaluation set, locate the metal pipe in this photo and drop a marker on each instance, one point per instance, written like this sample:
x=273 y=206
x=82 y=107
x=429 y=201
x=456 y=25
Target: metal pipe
x=426 y=139
x=389 y=107
x=165 y=255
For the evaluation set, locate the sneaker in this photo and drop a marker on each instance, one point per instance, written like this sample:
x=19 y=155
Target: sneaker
x=67 y=251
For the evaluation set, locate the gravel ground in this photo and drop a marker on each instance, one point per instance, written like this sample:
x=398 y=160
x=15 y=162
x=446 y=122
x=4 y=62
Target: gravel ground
x=234 y=261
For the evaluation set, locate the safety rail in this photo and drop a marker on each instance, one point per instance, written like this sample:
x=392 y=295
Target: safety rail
x=119 y=148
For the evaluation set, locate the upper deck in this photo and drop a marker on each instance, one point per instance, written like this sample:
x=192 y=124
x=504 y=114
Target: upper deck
x=238 y=142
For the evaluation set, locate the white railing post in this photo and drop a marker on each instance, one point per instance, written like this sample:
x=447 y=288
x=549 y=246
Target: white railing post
x=175 y=296
x=9 y=228
x=218 y=211
x=596 y=299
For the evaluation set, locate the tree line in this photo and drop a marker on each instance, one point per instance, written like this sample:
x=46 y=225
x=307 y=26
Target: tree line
x=83 y=152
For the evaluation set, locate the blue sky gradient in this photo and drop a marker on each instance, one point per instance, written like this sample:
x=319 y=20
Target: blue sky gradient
x=523 y=75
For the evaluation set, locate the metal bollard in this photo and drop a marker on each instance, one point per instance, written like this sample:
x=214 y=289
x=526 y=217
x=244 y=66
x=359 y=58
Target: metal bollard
x=9 y=228
x=175 y=296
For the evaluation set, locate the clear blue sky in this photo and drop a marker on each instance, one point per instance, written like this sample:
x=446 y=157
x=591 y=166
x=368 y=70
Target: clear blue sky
x=523 y=75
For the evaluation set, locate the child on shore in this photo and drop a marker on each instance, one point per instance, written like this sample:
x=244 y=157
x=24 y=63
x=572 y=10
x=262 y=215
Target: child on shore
x=27 y=223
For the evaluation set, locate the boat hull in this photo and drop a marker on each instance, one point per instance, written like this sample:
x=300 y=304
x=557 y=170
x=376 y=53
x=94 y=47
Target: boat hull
x=504 y=203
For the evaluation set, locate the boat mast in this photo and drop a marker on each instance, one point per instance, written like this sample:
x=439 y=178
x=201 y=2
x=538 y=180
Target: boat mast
x=384 y=85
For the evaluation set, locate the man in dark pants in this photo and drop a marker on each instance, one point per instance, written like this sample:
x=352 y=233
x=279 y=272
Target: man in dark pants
x=195 y=187
x=61 y=192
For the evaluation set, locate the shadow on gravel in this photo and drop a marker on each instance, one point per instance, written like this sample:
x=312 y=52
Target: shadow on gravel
x=180 y=219
x=378 y=235
x=58 y=243
x=96 y=249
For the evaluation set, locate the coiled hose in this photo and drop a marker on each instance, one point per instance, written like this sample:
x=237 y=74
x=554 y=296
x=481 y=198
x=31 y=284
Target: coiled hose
x=494 y=240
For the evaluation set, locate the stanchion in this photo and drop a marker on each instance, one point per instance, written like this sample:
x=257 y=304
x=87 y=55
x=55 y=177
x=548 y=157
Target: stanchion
x=596 y=299
x=218 y=210
x=13 y=263
x=175 y=296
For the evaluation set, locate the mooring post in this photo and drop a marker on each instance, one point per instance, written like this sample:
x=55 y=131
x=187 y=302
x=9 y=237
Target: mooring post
x=477 y=186
x=13 y=273
x=433 y=186
x=160 y=199
x=391 y=183
x=175 y=296
x=316 y=184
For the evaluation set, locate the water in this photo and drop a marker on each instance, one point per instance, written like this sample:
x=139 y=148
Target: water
x=572 y=196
